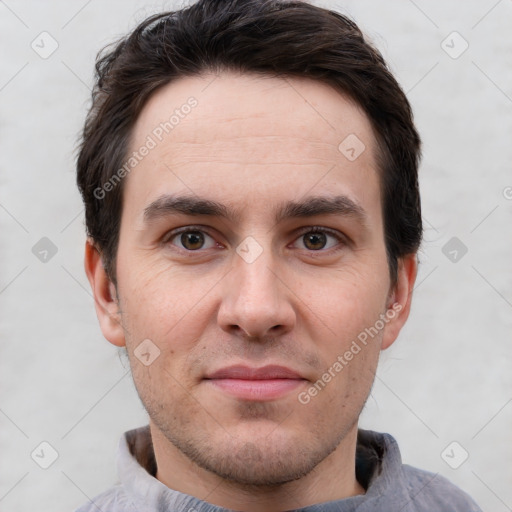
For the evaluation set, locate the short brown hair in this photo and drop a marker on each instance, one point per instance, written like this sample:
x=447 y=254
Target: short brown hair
x=274 y=37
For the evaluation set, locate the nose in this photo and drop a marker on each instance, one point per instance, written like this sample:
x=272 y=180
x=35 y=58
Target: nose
x=256 y=299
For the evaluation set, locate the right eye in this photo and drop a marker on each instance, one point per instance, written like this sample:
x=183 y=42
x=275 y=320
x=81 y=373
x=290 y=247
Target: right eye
x=191 y=238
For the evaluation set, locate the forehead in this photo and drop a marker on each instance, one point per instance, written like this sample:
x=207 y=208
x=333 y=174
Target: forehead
x=232 y=134
x=255 y=103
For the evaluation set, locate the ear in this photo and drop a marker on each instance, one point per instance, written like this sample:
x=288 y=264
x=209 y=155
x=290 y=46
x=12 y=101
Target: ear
x=104 y=292
x=400 y=298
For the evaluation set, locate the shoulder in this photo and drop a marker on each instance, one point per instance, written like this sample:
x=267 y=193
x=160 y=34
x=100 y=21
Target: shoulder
x=431 y=491
x=114 y=499
x=407 y=488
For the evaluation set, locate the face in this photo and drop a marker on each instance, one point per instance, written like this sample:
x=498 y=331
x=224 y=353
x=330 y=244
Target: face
x=251 y=259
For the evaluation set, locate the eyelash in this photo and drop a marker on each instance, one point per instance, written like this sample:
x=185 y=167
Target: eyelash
x=309 y=229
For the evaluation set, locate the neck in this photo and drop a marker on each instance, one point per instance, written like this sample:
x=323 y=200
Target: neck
x=332 y=479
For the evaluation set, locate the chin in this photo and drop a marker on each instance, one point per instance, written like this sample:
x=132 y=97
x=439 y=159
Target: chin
x=261 y=463
x=252 y=456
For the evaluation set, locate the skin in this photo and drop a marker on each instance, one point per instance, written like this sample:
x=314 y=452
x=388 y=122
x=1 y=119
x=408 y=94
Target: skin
x=252 y=143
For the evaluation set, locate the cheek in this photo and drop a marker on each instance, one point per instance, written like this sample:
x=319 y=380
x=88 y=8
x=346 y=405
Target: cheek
x=160 y=303
x=349 y=308
x=349 y=302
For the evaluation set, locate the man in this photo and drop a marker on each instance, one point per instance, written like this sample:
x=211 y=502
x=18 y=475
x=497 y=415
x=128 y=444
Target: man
x=249 y=172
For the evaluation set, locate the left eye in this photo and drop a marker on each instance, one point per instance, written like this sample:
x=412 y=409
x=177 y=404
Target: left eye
x=315 y=239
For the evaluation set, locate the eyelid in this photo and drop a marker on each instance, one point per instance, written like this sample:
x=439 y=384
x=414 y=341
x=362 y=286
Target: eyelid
x=322 y=229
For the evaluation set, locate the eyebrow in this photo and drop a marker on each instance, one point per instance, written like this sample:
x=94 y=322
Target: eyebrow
x=311 y=206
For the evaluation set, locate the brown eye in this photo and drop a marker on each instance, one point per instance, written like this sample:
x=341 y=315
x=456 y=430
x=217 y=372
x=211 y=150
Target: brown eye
x=314 y=241
x=318 y=239
x=192 y=240
x=189 y=239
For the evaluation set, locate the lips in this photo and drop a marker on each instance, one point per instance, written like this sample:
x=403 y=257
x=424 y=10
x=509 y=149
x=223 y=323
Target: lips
x=265 y=383
x=263 y=373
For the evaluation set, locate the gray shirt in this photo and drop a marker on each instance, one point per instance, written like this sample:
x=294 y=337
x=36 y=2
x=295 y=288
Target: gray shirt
x=390 y=485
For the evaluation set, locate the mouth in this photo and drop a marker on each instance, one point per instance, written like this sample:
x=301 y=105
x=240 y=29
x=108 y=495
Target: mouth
x=265 y=383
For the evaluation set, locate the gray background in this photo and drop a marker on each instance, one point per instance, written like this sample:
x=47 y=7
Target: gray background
x=446 y=379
